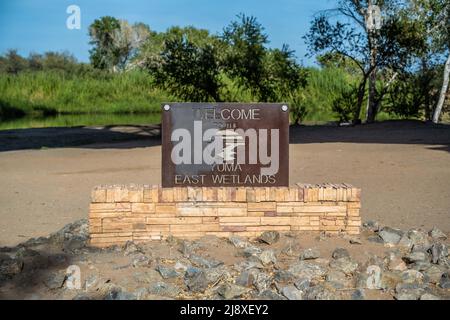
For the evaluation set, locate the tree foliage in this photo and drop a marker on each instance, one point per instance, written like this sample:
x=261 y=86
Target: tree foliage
x=188 y=70
x=373 y=51
x=115 y=42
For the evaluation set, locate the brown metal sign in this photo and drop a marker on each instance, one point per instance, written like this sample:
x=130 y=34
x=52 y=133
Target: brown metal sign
x=225 y=144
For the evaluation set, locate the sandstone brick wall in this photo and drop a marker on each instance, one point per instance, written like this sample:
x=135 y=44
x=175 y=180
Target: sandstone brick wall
x=141 y=213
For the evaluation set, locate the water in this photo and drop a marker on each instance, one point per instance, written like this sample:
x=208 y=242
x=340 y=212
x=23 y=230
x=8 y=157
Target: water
x=80 y=120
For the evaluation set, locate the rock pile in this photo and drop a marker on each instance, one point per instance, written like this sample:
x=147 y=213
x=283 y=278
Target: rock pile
x=383 y=263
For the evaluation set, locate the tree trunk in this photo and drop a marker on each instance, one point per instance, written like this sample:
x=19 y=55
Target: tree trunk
x=440 y=104
x=371 y=98
x=380 y=95
x=361 y=90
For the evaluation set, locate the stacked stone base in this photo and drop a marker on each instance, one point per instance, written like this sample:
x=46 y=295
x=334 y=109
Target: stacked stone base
x=141 y=213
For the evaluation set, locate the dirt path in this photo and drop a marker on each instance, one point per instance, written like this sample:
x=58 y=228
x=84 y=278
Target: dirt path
x=402 y=168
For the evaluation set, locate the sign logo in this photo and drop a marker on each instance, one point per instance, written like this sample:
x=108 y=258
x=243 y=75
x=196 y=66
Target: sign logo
x=225 y=144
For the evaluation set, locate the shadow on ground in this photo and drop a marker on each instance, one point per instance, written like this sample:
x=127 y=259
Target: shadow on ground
x=387 y=132
x=88 y=137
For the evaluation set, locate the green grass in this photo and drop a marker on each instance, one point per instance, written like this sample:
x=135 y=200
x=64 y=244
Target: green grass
x=324 y=85
x=50 y=93
x=51 y=98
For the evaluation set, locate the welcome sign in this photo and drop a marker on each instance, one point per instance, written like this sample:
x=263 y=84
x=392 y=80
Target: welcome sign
x=225 y=144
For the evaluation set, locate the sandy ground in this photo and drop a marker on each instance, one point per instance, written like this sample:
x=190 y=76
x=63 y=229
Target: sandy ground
x=46 y=174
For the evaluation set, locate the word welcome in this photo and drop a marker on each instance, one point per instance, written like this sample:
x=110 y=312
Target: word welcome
x=227 y=114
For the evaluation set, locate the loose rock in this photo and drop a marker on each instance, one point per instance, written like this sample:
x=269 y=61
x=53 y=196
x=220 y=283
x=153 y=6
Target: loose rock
x=304 y=269
x=439 y=253
x=412 y=276
x=310 y=254
x=230 y=291
x=239 y=242
x=262 y=281
x=340 y=253
x=302 y=284
x=55 y=280
x=205 y=263
x=9 y=267
x=416 y=256
x=390 y=235
x=269 y=237
x=437 y=234
x=345 y=264
x=163 y=289
x=371 y=225
x=429 y=296
x=270 y=295
x=292 y=293
x=131 y=248
x=358 y=295
x=267 y=257
x=319 y=292
x=337 y=279
x=444 y=283
x=246 y=278
x=167 y=272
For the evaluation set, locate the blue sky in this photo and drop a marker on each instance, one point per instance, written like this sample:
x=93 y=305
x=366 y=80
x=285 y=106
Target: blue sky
x=40 y=25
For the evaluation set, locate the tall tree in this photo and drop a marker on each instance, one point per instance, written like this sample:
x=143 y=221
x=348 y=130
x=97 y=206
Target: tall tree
x=189 y=71
x=270 y=74
x=103 y=55
x=430 y=19
x=371 y=36
x=244 y=59
x=435 y=16
x=115 y=42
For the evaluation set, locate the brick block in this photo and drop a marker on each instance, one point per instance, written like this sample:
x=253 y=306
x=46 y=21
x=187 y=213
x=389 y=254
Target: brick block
x=196 y=211
x=165 y=208
x=275 y=221
x=251 y=195
x=282 y=194
x=156 y=194
x=209 y=194
x=231 y=211
x=262 y=206
x=121 y=194
x=210 y=219
x=260 y=194
x=353 y=212
x=255 y=213
x=241 y=194
x=180 y=194
x=167 y=195
x=157 y=228
x=233 y=228
x=98 y=195
x=202 y=227
x=177 y=220
x=147 y=194
x=246 y=221
x=268 y=228
x=136 y=194
x=143 y=207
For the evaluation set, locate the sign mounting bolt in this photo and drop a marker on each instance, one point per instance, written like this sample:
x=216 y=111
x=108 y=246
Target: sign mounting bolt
x=166 y=107
x=284 y=108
